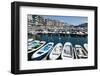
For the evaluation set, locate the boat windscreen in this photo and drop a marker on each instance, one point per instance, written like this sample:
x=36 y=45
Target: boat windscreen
x=79 y=51
x=39 y=52
x=49 y=44
x=46 y=48
x=67 y=50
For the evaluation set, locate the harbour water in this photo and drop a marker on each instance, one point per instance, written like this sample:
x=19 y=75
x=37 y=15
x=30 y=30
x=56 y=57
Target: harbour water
x=56 y=38
x=61 y=38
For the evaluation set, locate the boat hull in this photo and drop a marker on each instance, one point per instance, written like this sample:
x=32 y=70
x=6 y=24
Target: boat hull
x=80 y=52
x=41 y=53
x=67 y=48
x=55 y=55
x=33 y=50
x=40 y=57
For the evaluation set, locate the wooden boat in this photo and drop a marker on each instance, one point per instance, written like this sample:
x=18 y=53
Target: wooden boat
x=67 y=52
x=56 y=52
x=37 y=47
x=80 y=52
x=42 y=52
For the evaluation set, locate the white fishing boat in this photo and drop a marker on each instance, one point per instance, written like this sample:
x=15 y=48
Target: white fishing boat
x=67 y=52
x=42 y=52
x=30 y=41
x=37 y=47
x=80 y=52
x=56 y=52
x=86 y=46
x=33 y=44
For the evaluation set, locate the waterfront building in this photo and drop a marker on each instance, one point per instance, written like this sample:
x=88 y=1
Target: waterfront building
x=30 y=19
x=39 y=24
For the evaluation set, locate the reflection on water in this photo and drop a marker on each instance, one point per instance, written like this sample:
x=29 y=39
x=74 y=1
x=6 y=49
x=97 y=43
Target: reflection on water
x=74 y=39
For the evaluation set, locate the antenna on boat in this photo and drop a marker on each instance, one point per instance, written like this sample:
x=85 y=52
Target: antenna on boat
x=68 y=32
x=66 y=35
x=59 y=36
x=51 y=37
x=77 y=38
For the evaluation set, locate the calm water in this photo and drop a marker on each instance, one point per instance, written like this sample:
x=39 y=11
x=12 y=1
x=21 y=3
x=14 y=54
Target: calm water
x=74 y=39
x=56 y=38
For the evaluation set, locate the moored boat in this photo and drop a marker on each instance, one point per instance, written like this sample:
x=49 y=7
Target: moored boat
x=80 y=52
x=30 y=41
x=37 y=47
x=67 y=52
x=42 y=52
x=34 y=43
x=56 y=52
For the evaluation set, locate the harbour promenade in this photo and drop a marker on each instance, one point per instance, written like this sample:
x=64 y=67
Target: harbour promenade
x=63 y=29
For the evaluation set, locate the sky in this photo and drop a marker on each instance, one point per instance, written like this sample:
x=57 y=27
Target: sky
x=74 y=20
